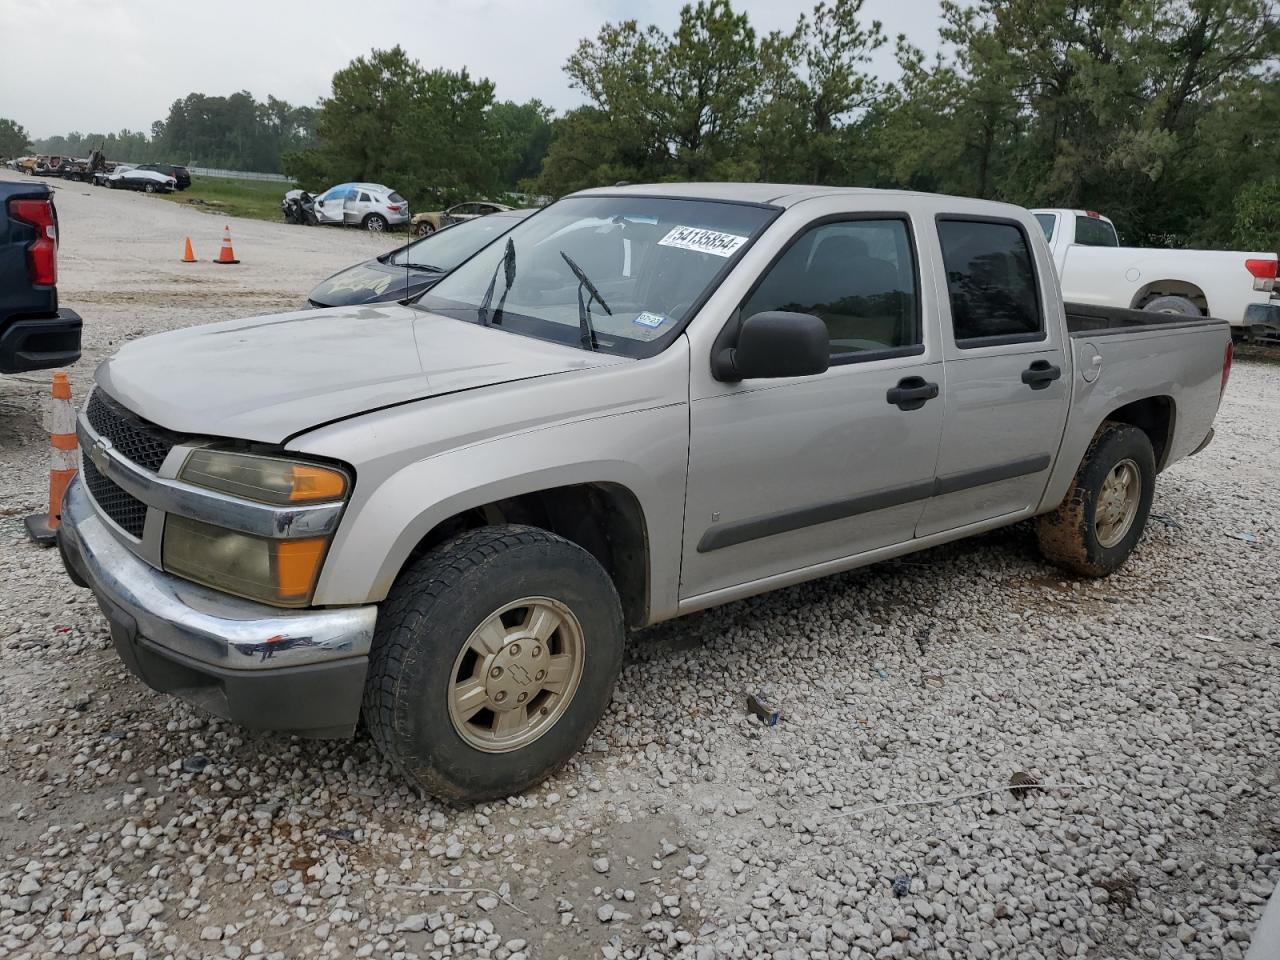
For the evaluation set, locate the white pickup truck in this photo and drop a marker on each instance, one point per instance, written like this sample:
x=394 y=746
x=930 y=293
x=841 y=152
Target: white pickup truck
x=1238 y=287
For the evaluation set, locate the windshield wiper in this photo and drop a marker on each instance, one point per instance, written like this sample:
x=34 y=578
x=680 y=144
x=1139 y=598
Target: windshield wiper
x=584 y=306
x=425 y=267
x=508 y=265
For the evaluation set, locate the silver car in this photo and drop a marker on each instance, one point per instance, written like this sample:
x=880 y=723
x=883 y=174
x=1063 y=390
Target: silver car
x=370 y=205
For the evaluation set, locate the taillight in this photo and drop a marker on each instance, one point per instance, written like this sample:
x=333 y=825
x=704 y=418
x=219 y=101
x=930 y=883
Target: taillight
x=393 y=207
x=42 y=253
x=1262 y=269
x=1226 y=368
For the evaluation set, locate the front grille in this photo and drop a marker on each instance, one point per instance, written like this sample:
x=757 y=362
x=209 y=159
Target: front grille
x=133 y=438
x=128 y=512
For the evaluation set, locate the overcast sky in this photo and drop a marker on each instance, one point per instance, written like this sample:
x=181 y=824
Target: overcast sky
x=101 y=65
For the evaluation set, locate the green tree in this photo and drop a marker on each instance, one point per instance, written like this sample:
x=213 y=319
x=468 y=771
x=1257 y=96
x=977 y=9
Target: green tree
x=1257 y=216
x=524 y=132
x=678 y=107
x=814 y=80
x=424 y=133
x=13 y=138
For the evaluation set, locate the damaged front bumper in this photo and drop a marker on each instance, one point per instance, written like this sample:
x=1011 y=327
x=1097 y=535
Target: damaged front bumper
x=261 y=667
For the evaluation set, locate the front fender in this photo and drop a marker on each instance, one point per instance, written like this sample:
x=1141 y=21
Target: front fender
x=644 y=451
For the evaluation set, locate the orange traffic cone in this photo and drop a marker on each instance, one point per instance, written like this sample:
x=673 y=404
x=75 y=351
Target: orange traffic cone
x=187 y=255
x=226 y=254
x=60 y=421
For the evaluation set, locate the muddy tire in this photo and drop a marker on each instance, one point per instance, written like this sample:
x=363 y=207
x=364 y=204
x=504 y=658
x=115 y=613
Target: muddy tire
x=1102 y=518
x=494 y=658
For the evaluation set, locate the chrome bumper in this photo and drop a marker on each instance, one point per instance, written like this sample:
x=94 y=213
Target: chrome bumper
x=259 y=666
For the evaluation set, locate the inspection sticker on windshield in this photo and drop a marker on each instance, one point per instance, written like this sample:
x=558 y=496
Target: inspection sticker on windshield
x=703 y=241
x=651 y=320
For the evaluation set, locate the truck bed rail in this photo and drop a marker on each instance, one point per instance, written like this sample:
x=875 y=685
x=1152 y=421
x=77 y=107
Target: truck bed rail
x=1086 y=319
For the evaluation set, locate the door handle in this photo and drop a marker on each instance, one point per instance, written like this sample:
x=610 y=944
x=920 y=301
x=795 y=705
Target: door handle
x=1040 y=374
x=911 y=393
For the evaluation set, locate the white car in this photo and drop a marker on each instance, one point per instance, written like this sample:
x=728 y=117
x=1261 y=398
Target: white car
x=1235 y=286
x=133 y=179
x=370 y=205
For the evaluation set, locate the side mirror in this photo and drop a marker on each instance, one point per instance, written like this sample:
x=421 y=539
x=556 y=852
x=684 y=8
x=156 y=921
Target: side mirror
x=775 y=344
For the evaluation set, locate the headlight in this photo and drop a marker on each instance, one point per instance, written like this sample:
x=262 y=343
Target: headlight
x=281 y=572
x=264 y=479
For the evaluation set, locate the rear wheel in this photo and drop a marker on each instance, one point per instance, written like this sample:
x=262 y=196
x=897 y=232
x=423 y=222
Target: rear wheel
x=1102 y=518
x=375 y=223
x=495 y=656
x=1177 y=305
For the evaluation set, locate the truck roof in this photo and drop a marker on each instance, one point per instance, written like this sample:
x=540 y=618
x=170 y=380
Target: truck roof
x=774 y=194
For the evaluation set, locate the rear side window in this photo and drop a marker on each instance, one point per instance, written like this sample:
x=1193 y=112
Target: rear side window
x=364 y=198
x=1095 y=232
x=991 y=282
x=858 y=276
x=1047 y=222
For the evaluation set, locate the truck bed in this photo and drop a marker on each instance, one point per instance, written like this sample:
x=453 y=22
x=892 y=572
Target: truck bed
x=1090 y=320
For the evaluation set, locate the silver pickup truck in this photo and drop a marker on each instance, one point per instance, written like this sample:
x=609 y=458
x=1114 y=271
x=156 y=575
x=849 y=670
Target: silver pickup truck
x=644 y=401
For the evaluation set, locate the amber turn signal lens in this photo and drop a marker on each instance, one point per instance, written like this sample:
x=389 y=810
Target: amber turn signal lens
x=316 y=483
x=297 y=562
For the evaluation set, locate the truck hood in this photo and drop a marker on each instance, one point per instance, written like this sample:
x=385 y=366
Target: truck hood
x=268 y=378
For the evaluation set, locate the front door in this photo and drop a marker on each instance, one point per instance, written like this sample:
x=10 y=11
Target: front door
x=786 y=474
x=1007 y=388
x=331 y=204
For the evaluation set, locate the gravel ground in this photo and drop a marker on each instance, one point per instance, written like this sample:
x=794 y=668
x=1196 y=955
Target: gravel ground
x=1145 y=705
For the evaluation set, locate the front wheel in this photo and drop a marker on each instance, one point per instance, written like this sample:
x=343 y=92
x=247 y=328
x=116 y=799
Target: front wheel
x=423 y=229
x=1102 y=518
x=494 y=658
x=150 y=188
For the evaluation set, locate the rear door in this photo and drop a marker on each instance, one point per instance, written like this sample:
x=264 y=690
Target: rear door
x=358 y=204
x=1006 y=391
x=785 y=474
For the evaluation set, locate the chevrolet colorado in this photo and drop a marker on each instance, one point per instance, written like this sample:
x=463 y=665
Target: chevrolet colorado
x=645 y=401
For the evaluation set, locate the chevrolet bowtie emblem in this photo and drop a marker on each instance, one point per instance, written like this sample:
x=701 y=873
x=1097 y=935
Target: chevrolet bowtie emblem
x=99 y=453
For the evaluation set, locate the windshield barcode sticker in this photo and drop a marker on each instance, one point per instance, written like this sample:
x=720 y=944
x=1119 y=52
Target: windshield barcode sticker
x=703 y=241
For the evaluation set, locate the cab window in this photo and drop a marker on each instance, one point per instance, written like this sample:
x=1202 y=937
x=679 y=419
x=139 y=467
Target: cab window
x=858 y=276
x=1095 y=232
x=991 y=281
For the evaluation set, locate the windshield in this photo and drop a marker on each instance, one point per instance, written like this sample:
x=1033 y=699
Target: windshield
x=449 y=247
x=646 y=262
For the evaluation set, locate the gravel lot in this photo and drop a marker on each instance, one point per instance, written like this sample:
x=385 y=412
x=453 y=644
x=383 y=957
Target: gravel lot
x=1147 y=704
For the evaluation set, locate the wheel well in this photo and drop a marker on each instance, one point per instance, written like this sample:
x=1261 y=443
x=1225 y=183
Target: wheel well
x=605 y=519
x=1154 y=416
x=1171 y=288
